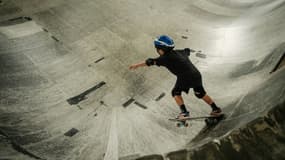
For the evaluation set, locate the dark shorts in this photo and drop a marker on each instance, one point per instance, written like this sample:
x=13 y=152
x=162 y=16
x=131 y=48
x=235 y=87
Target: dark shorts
x=184 y=85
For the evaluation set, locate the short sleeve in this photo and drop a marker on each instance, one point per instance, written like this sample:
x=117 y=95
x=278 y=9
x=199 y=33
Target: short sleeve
x=187 y=51
x=160 y=61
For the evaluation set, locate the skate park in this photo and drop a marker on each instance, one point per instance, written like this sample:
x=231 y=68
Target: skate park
x=67 y=93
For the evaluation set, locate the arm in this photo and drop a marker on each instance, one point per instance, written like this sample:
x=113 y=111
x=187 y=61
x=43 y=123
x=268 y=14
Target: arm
x=137 y=65
x=148 y=62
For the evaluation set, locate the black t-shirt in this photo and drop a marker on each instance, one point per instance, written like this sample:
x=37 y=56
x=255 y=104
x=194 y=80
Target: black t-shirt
x=178 y=63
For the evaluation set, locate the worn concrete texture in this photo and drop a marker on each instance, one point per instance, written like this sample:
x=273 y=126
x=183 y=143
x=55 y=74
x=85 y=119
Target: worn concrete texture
x=66 y=91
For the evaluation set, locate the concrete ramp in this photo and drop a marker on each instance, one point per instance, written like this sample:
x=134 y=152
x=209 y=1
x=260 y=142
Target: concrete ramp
x=66 y=91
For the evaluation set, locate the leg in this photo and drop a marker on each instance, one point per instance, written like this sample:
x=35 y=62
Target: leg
x=176 y=94
x=179 y=100
x=201 y=93
x=208 y=99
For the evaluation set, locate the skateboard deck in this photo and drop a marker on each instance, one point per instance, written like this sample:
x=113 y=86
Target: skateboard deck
x=209 y=120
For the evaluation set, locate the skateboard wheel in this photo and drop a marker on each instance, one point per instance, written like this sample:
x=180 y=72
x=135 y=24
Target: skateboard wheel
x=212 y=121
x=209 y=121
x=186 y=124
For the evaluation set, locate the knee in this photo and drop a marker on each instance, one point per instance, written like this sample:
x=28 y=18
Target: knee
x=200 y=94
x=175 y=93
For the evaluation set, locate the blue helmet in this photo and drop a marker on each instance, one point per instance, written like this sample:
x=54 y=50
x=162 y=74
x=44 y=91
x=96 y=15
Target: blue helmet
x=164 y=42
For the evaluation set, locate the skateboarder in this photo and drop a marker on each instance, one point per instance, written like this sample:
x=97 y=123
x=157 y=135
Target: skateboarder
x=188 y=76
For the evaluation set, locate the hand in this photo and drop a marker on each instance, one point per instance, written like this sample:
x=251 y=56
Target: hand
x=134 y=66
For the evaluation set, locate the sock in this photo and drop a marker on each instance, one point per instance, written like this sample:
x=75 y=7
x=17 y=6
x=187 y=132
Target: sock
x=214 y=106
x=183 y=108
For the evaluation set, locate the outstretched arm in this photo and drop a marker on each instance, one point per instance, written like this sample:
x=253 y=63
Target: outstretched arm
x=137 y=65
x=148 y=62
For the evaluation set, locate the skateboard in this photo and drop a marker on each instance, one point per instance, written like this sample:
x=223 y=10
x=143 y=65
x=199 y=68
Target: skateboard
x=209 y=120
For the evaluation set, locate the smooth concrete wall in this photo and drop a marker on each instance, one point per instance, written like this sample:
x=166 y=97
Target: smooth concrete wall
x=51 y=58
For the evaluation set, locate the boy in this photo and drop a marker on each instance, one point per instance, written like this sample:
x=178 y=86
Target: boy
x=188 y=76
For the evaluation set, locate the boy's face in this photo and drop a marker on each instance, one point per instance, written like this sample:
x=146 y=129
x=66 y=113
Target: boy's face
x=159 y=51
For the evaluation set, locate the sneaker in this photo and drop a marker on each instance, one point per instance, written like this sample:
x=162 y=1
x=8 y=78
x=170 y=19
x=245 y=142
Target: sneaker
x=183 y=115
x=216 y=111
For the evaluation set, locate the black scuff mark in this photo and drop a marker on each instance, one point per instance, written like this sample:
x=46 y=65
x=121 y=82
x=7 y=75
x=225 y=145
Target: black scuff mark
x=71 y=132
x=140 y=105
x=46 y=30
x=76 y=99
x=128 y=102
x=97 y=61
x=54 y=38
x=279 y=64
x=100 y=59
x=160 y=96
x=200 y=54
x=15 y=21
x=103 y=103
x=21 y=19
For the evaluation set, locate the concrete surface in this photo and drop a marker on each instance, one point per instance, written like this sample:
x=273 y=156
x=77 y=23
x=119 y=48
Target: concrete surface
x=51 y=51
